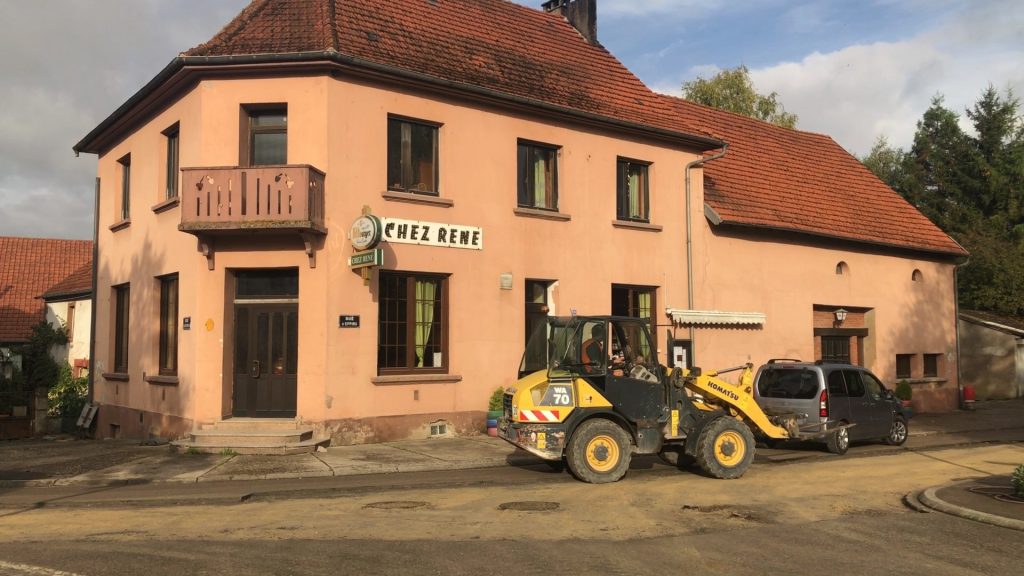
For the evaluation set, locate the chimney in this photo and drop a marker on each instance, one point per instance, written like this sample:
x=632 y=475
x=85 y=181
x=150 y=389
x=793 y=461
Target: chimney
x=582 y=14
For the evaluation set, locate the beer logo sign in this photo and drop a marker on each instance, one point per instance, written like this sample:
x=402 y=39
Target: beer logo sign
x=365 y=232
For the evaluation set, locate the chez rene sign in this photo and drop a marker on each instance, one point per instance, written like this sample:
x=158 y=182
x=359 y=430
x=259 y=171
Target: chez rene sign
x=368 y=231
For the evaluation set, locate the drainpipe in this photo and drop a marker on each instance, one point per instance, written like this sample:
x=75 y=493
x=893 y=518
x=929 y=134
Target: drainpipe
x=92 y=317
x=956 y=324
x=689 y=239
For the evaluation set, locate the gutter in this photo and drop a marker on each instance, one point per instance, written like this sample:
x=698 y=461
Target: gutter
x=93 y=142
x=689 y=239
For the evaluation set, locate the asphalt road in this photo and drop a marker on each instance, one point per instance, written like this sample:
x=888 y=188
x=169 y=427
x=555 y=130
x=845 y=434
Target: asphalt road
x=820 y=514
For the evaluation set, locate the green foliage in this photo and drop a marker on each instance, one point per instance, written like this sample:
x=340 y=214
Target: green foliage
x=732 y=90
x=39 y=367
x=228 y=452
x=1017 y=479
x=193 y=451
x=903 y=390
x=68 y=396
x=497 y=400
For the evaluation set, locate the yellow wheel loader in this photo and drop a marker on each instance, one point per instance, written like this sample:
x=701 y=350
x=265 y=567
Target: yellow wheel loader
x=591 y=394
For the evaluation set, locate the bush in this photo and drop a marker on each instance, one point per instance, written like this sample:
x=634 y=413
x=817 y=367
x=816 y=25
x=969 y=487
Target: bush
x=68 y=396
x=1018 y=480
x=903 y=390
x=497 y=401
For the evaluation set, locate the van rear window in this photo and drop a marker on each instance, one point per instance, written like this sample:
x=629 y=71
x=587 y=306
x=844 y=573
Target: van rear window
x=799 y=384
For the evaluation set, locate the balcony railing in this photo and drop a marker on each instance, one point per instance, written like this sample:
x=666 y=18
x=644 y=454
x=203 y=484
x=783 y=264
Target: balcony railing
x=225 y=199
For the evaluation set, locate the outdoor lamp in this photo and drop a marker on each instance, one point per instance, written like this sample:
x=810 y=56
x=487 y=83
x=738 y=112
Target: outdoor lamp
x=840 y=315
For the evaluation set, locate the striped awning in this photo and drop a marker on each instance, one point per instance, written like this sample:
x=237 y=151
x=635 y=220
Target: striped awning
x=715 y=317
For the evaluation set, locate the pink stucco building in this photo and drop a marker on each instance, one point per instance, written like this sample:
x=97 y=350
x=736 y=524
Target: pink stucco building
x=513 y=169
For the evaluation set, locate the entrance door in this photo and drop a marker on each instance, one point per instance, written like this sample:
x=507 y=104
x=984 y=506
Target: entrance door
x=266 y=360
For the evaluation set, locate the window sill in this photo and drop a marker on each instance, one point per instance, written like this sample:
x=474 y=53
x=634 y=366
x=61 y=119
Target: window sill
x=120 y=225
x=543 y=214
x=161 y=380
x=926 y=380
x=115 y=376
x=414 y=198
x=636 y=225
x=165 y=205
x=417 y=379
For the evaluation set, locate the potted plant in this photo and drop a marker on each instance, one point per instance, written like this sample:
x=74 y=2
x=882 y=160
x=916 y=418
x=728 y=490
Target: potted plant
x=904 y=392
x=495 y=408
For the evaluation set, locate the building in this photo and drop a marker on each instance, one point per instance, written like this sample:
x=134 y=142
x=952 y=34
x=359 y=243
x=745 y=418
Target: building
x=69 y=305
x=510 y=168
x=992 y=354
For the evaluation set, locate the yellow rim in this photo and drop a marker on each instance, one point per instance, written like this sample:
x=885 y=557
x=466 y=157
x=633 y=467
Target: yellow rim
x=730 y=448
x=602 y=453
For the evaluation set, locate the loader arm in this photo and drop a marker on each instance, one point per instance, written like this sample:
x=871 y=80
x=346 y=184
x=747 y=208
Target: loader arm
x=739 y=397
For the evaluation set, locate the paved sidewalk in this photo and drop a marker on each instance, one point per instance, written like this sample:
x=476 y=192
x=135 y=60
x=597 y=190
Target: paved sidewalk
x=61 y=461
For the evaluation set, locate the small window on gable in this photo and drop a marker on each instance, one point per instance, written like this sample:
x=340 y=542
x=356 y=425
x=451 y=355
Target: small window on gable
x=916 y=276
x=842 y=268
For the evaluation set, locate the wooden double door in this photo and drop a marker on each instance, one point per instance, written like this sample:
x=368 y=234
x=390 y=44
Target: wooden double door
x=266 y=360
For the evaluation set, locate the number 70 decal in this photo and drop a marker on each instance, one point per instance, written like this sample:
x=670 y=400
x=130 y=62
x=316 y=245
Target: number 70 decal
x=558 y=395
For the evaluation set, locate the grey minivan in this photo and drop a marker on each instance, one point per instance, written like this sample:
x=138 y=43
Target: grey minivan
x=825 y=395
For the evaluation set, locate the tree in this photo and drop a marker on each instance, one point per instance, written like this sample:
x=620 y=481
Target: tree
x=732 y=90
x=887 y=163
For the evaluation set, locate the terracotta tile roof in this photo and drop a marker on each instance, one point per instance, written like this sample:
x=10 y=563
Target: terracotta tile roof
x=78 y=283
x=28 y=268
x=492 y=44
x=777 y=178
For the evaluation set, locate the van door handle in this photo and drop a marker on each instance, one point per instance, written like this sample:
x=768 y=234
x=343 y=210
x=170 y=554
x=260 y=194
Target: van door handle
x=254 y=370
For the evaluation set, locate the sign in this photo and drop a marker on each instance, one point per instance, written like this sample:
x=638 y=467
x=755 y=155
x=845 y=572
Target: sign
x=365 y=232
x=432 y=234
x=368 y=258
x=186 y=323
x=348 y=321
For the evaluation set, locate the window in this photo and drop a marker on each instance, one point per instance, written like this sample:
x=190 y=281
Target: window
x=836 y=384
x=903 y=365
x=854 y=384
x=267 y=142
x=126 y=186
x=835 y=349
x=636 y=302
x=412 y=156
x=172 y=162
x=69 y=324
x=412 y=324
x=931 y=365
x=538 y=176
x=871 y=384
x=122 y=301
x=169 y=325
x=632 y=197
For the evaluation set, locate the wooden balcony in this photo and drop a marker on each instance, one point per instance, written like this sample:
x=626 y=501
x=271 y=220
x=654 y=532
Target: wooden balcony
x=260 y=200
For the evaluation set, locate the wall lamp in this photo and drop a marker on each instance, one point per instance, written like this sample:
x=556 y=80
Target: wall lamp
x=840 y=315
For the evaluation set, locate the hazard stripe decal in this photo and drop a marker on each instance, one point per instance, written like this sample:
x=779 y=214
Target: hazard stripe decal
x=538 y=415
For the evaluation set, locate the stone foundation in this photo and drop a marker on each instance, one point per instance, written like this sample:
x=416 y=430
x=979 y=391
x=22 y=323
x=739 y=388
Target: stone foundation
x=405 y=427
x=114 y=421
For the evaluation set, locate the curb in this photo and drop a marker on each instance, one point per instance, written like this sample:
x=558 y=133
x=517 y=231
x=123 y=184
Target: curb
x=930 y=499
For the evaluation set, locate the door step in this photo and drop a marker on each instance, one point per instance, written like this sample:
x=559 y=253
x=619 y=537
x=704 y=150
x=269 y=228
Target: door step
x=251 y=436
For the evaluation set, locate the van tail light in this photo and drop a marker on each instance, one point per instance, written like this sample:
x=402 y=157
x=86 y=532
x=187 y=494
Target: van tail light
x=823 y=404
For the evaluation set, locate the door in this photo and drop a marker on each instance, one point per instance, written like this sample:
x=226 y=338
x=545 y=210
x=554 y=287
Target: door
x=879 y=404
x=266 y=360
x=536 y=322
x=631 y=382
x=863 y=407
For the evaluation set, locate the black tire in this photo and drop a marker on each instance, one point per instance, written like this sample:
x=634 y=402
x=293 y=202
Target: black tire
x=898 y=432
x=599 y=452
x=674 y=456
x=725 y=448
x=838 y=442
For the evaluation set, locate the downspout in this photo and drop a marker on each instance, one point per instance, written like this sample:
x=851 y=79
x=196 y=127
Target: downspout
x=92 y=316
x=689 y=238
x=956 y=324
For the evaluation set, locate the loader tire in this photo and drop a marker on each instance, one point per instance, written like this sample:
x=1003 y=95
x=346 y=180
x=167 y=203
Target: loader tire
x=725 y=448
x=599 y=452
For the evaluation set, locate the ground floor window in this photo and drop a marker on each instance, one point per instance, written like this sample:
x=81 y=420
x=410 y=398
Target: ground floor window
x=637 y=302
x=122 y=302
x=412 y=323
x=931 y=365
x=169 y=325
x=903 y=362
x=835 y=349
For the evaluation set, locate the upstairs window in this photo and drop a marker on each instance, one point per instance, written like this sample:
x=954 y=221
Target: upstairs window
x=632 y=196
x=412 y=156
x=172 y=162
x=538 y=176
x=267 y=140
x=122 y=303
x=126 y=186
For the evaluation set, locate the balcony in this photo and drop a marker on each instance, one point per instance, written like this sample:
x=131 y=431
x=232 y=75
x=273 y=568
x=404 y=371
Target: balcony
x=262 y=200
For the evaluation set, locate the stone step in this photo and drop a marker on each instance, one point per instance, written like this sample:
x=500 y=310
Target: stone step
x=269 y=449
x=249 y=437
x=254 y=424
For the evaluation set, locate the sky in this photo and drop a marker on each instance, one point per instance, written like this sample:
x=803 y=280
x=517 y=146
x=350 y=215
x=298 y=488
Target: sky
x=852 y=69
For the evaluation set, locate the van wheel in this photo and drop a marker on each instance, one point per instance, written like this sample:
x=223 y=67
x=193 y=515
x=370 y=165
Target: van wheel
x=839 y=441
x=898 y=433
x=674 y=456
x=725 y=448
x=599 y=452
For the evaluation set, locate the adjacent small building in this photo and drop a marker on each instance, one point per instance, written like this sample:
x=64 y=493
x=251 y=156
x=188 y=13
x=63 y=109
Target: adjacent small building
x=354 y=215
x=992 y=354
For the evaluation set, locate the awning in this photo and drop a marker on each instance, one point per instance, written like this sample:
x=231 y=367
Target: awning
x=715 y=317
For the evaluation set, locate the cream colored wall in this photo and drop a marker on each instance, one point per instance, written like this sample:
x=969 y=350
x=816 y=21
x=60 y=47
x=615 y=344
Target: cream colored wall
x=990 y=362
x=784 y=281
x=340 y=128
x=78 y=338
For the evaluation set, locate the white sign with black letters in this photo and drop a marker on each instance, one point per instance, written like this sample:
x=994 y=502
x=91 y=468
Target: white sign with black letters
x=432 y=234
